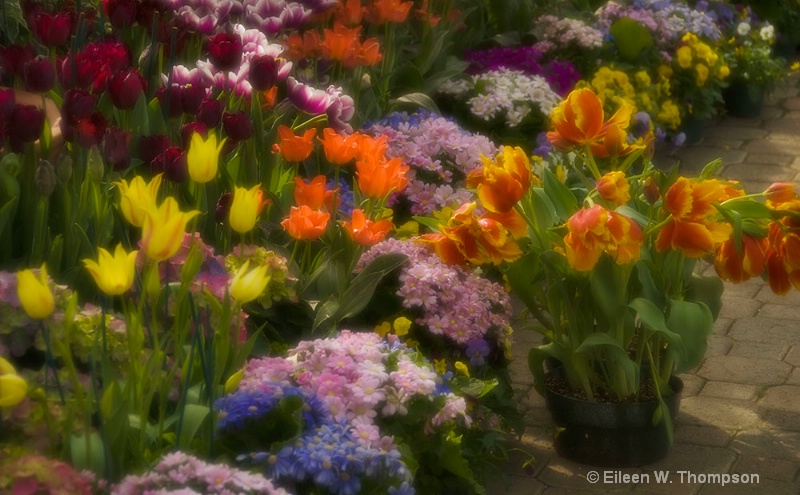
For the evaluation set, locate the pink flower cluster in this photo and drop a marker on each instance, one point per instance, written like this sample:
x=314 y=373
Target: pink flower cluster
x=180 y=473
x=454 y=301
x=360 y=378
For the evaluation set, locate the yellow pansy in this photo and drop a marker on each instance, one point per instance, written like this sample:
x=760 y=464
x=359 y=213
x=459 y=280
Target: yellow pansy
x=401 y=326
x=383 y=329
x=702 y=74
x=440 y=366
x=684 y=57
x=462 y=368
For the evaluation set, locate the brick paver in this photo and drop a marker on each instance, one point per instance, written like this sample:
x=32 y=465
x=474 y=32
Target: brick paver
x=740 y=412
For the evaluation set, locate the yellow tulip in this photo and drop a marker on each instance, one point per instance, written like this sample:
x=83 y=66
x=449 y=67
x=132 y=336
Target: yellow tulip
x=138 y=197
x=245 y=208
x=113 y=274
x=34 y=293
x=163 y=229
x=203 y=157
x=247 y=284
x=13 y=388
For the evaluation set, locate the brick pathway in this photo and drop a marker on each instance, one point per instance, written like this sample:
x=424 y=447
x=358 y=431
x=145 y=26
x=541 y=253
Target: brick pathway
x=740 y=411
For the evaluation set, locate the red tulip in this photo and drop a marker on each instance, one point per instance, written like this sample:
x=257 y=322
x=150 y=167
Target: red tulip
x=237 y=125
x=173 y=96
x=210 y=112
x=225 y=51
x=172 y=162
x=25 y=126
x=263 y=72
x=52 y=29
x=121 y=13
x=39 y=75
x=125 y=88
x=191 y=97
x=150 y=147
x=14 y=57
x=116 y=148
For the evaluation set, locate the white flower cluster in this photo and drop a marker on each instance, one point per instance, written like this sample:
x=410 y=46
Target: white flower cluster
x=504 y=92
x=565 y=32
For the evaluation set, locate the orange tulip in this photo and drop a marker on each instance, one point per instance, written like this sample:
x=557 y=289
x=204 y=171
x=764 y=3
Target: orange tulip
x=389 y=10
x=578 y=120
x=366 y=232
x=313 y=194
x=294 y=148
x=378 y=178
x=370 y=148
x=614 y=188
x=730 y=265
x=695 y=239
x=350 y=12
x=614 y=143
x=369 y=53
x=502 y=183
x=779 y=193
x=305 y=223
x=778 y=277
x=595 y=230
x=339 y=150
x=444 y=247
x=340 y=43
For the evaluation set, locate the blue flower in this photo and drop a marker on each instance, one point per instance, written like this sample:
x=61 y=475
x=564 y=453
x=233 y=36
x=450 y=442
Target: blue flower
x=235 y=409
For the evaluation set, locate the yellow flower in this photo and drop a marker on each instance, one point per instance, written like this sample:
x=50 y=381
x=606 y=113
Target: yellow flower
x=203 y=157
x=795 y=66
x=13 y=388
x=113 y=274
x=703 y=52
x=163 y=229
x=138 y=197
x=440 y=366
x=670 y=114
x=664 y=72
x=383 y=329
x=462 y=369
x=642 y=78
x=401 y=326
x=684 y=57
x=702 y=74
x=724 y=72
x=247 y=284
x=34 y=293
x=245 y=208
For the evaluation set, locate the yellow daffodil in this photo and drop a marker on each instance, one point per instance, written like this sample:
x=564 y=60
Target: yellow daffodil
x=401 y=326
x=203 y=157
x=163 y=229
x=245 y=208
x=247 y=284
x=13 y=388
x=113 y=274
x=34 y=293
x=138 y=197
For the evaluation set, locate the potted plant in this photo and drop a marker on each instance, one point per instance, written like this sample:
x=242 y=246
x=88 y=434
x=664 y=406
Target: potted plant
x=754 y=68
x=604 y=259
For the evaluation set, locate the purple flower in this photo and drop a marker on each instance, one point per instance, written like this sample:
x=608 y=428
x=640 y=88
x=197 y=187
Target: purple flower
x=306 y=98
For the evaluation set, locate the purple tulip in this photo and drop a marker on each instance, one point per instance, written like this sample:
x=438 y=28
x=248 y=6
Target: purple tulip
x=150 y=147
x=172 y=162
x=225 y=51
x=307 y=99
x=116 y=148
x=121 y=13
x=173 y=94
x=39 y=75
x=25 y=126
x=52 y=29
x=125 y=88
x=210 y=113
x=14 y=57
x=263 y=72
x=237 y=125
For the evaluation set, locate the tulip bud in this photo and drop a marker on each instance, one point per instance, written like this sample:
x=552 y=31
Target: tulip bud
x=125 y=88
x=116 y=148
x=45 y=178
x=64 y=167
x=95 y=169
x=210 y=113
x=237 y=125
x=650 y=190
x=366 y=81
x=121 y=13
x=263 y=72
x=225 y=51
x=39 y=75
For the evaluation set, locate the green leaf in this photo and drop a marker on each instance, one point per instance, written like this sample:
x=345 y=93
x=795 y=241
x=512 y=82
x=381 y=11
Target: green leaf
x=631 y=38
x=706 y=289
x=544 y=210
x=563 y=199
x=525 y=278
x=7 y=213
x=711 y=169
x=693 y=322
x=431 y=223
x=653 y=320
x=420 y=100
x=536 y=359
x=747 y=208
x=607 y=294
x=86 y=451
x=193 y=417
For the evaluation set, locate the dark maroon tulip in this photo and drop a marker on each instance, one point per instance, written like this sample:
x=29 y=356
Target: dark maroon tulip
x=191 y=97
x=78 y=105
x=174 y=97
x=237 y=125
x=91 y=130
x=125 y=88
x=263 y=72
x=210 y=113
x=152 y=146
x=146 y=11
x=116 y=148
x=121 y=13
x=39 y=75
x=188 y=129
x=223 y=207
x=14 y=57
x=225 y=51
x=172 y=162
x=52 y=29
x=7 y=104
x=25 y=126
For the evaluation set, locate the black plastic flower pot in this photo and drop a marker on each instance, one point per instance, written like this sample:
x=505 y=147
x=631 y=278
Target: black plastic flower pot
x=611 y=434
x=743 y=99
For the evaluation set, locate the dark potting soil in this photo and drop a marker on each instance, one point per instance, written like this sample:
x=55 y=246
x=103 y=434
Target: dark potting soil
x=559 y=385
